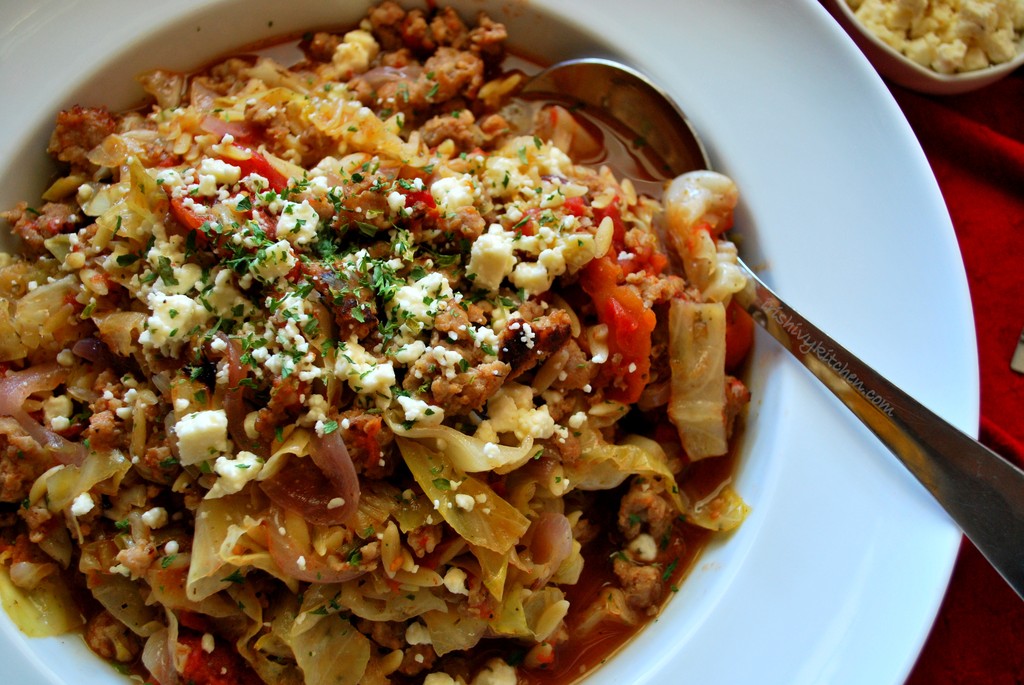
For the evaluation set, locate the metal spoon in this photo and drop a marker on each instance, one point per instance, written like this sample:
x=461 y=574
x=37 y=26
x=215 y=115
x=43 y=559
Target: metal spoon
x=979 y=489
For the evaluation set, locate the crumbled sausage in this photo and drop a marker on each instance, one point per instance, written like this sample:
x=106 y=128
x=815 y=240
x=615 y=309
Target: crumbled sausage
x=465 y=391
x=525 y=343
x=459 y=127
x=111 y=639
x=34 y=226
x=642 y=583
x=645 y=506
x=342 y=294
x=737 y=396
x=22 y=460
x=369 y=442
x=322 y=46
x=78 y=131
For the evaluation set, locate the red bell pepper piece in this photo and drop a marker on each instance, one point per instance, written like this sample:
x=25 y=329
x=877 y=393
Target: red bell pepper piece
x=185 y=216
x=739 y=335
x=258 y=164
x=630 y=324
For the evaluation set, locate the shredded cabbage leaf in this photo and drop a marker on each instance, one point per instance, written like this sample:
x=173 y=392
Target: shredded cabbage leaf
x=697 y=405
x=491 y=522
x=45 y=611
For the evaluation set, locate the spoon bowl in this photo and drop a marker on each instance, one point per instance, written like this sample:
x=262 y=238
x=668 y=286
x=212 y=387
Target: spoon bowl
x=626 y=96
x=981 y=491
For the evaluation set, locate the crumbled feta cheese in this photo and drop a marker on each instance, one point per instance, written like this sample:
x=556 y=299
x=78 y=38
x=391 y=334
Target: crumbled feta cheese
x=448 y=360
x=222 y=173
x=533 y=277
x=416 y=304
x=224 y=298
x=353 y=56
x=167 y=259
x=255 y=183
x=298 y=223
x=491 y=258
x=167 y=178
x=643 y=548
x=511 y=410
x=408 y=354
x=57 y=410
x=59 y=423
x=317 y=408
x=233 y=474
x=455 y=581
x=82 y=504
x=202 y=435
x=366 y=374
x=155 y=517
x=417 y=634
x=453 y=192
x=947 y=36
x=174 y=318
x=396 y=201
x=439 y=679
x=273 y=262
x=496 y=672
x=419 y=411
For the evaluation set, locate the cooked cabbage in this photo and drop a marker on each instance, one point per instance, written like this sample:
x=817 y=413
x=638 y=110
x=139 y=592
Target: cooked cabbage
x=697 y=404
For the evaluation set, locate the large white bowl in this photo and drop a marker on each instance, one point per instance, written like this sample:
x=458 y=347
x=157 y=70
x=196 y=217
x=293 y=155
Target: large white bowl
x=838 y=573
x=900 y=69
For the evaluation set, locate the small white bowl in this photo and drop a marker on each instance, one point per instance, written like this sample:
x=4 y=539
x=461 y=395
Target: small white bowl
x=901 y=70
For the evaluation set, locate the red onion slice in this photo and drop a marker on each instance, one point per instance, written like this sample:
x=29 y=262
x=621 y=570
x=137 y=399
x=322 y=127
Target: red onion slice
x=234 y=398
x=16 y=387
x=550 y=543
x=304 y=565
x=96 y=351
x=323 y=489
x=241 y=131
x=331 y=455
x=380 y=76
x=158 y=657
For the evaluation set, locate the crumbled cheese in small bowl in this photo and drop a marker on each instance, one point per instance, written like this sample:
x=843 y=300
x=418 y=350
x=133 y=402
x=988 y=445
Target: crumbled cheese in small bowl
x=939 y=47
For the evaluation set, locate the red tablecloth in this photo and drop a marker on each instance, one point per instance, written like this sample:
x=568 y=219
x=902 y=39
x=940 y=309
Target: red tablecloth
x=975 y=144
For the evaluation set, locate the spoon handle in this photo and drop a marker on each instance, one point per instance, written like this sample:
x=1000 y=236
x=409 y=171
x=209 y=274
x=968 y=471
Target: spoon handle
x=980 y=490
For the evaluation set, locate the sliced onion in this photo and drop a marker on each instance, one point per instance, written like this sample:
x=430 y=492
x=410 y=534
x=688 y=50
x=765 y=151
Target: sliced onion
x=158 y=657
x=16 y=387
x=27 y=575
x=380 y=76
x=655 y=395
x=304 y=564
x=239 y=130
x=331 y=455
x=234 y=398
x=323 y=489
x=94 y=350
x=550 y=543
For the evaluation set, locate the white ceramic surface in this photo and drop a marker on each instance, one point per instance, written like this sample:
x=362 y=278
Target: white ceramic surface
x=838 y=572
x=899 y=69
